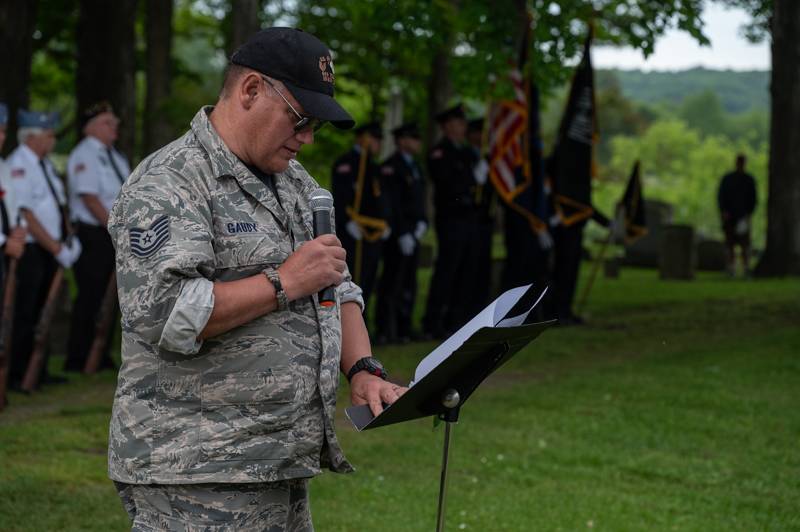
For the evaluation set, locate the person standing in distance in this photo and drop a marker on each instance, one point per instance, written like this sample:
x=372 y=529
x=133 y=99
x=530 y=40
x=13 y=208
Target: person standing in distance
x=737 y=199
x=226 y=395
x=405 y=188
x=41 y=200
x=12 y=234
x=450 y=169
x=363 y=208
x=96 y=172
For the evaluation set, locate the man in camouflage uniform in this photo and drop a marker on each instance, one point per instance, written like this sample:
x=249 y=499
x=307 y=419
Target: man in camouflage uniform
x=227 y=391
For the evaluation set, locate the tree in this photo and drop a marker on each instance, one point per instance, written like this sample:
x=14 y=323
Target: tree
x=780 y=19
x=106 y=66
x=17 y=20
x=782 y=254
x=157 y=130
x=244 y=21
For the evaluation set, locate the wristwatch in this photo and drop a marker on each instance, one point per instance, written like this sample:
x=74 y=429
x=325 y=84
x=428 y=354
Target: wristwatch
x=274 y=278
x=370 y=365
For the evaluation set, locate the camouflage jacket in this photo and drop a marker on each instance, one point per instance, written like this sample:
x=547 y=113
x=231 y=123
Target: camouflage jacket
x=257 y=403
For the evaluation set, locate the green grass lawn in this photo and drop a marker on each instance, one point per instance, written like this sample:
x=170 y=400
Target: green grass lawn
x=677 y=408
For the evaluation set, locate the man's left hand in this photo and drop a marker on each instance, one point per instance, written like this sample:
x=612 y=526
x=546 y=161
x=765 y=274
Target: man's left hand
x=368 y=389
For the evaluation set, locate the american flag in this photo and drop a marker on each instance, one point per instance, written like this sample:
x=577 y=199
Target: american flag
x=507 y=162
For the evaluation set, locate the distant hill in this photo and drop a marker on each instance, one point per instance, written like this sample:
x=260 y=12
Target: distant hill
x=739 y=92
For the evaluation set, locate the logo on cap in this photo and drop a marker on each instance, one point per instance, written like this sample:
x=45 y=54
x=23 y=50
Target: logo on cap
x=326 y=67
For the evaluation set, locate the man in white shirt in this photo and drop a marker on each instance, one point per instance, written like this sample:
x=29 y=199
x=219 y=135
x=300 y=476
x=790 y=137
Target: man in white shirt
x=41 y=200
x=12 y=235
x=95 y=173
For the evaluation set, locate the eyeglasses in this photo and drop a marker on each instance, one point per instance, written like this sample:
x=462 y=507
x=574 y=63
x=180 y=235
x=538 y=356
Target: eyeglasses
x=304 y=123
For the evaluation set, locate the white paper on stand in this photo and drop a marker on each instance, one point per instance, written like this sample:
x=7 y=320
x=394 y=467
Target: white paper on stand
x=494 y=315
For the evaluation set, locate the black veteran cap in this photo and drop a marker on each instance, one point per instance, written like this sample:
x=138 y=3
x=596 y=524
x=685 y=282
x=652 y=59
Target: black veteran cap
x=457 y=111
x=93 y=111
x=372 y=128
x=409 y=129
x=302 y=63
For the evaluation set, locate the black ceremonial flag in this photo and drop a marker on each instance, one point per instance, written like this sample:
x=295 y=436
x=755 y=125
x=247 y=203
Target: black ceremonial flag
x=571 y=165
x=633 y=207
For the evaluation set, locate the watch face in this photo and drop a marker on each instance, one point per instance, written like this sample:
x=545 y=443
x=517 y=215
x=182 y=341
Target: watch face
x=373 y=365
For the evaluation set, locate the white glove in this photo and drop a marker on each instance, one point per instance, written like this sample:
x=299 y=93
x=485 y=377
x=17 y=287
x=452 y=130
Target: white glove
x=481 y=172
x=545 y=240
x=386 y=233
x=353 y=230
x=420 y=230
x=742 y=226
x=554 y=220
x=407 y=244
x=69 y=253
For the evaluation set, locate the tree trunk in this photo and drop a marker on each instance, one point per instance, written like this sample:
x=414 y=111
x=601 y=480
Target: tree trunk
x=782 y=255
x=244 y=21
x=17 y=21
x=106 y=63
x=159 y=47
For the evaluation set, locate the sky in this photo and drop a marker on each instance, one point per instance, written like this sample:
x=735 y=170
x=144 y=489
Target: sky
x=677 y=50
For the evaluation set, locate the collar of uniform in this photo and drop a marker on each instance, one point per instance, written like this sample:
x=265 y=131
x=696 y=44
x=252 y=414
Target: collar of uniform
x=407 y=157
x=95 y=143
x=225 y=163
x=28 y=154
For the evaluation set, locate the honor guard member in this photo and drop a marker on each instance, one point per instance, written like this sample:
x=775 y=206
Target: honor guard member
x=41 y=200
x=96 y=172
x=226 y=397
x=485 y=205
x=404 y=185
x=362 y=210
x=450 y=169
x=736 y=198
x=12 y=234
x=568 y=234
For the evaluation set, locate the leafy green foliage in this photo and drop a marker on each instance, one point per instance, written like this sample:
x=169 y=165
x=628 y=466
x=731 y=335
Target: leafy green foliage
x=683 y=167
x=738 y=91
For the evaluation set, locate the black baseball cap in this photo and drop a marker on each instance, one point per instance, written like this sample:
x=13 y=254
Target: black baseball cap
x=409 y=129
x=302 y=63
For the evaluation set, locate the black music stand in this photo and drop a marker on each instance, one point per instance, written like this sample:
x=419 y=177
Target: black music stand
x=445 y=389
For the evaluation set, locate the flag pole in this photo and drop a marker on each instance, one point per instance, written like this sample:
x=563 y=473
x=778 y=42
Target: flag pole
x=595 y=269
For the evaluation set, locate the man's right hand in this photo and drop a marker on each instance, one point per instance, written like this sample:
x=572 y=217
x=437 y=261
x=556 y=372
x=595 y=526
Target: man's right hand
x=317 y=264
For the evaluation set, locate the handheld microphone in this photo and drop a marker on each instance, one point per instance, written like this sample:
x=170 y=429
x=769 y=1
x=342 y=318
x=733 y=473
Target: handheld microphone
x=321 y=203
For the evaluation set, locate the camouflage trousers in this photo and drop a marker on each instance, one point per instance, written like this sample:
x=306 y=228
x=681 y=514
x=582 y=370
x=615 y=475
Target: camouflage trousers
x=275 y=506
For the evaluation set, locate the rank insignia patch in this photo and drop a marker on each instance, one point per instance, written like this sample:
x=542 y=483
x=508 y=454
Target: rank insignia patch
x=145 y=242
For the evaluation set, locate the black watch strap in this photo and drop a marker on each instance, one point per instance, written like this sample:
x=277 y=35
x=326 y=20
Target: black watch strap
x=369 y=364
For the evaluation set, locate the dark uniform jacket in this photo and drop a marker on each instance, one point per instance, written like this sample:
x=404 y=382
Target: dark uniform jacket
x=737 y=195
x=450 y=168
x=406 y=190
x=345 y=180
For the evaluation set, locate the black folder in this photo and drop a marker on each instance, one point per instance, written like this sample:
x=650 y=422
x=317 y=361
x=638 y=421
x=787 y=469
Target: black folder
x=463 y=370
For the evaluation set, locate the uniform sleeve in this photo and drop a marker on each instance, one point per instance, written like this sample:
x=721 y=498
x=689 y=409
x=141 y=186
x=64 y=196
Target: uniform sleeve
x=347 y=290
x=21 y=184
x=84 y=173
x=163 y=237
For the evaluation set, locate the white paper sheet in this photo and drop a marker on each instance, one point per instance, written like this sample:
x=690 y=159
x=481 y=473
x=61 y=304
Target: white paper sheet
x=493 y=315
